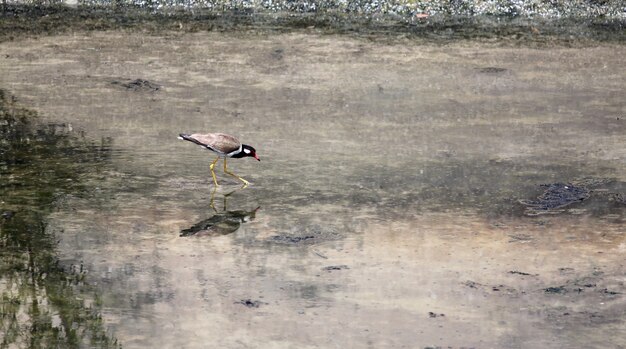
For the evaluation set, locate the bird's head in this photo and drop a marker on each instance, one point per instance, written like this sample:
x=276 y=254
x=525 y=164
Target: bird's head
x=250 y=151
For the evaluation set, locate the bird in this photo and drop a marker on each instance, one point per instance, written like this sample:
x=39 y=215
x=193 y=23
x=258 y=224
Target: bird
x=226 y=146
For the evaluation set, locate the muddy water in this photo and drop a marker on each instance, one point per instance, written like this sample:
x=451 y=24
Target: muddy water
x=385 y=211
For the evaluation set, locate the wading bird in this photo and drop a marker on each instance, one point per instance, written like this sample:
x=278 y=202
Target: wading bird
x=226 y=146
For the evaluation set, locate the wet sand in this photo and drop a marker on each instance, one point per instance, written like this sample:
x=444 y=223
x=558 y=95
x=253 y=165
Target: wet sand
x=388 y=189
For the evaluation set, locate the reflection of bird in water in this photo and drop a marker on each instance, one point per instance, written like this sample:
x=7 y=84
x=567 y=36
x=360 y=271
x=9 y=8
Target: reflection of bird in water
x=225 y=146
x=220 y=224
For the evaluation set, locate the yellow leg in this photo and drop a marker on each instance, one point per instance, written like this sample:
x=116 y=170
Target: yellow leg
x=212 y=202
x=213 y=172
x=245 y=182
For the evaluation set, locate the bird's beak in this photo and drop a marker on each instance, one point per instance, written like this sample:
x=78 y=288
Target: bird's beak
x=257 y=157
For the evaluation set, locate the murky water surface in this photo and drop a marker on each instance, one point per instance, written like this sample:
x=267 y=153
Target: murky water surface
x=388 y=209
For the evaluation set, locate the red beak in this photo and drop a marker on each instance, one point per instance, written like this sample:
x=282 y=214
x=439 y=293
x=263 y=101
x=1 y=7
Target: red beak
x=256 y=157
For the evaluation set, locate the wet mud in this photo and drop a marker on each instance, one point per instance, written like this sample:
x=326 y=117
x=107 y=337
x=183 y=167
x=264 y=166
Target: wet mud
x=394 y=192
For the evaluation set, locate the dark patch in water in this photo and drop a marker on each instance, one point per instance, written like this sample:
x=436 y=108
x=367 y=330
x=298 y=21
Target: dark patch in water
x=138 y=85
x=519 y=273
x=612 y=293
x=556 y=290
x=286 y=239
x=306 y=236
x=249 y=303
x=277 y=54
x=472 y=284
x=335 y=267
x=7 y=214
x=491 y=70
x=503 y=288
x=619 y=198
x=555 y=197
x=434 y=315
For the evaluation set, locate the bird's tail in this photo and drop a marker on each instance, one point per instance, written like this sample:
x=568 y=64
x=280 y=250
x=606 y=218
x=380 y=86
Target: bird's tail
x=187 y=137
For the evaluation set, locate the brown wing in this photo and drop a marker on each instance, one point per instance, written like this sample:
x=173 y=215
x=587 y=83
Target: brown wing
x=220 y=142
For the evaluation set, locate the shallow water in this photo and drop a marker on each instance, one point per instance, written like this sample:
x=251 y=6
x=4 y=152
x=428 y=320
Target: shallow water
x=385 y=211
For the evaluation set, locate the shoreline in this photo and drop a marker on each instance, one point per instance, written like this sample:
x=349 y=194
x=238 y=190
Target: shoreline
x=23 y=21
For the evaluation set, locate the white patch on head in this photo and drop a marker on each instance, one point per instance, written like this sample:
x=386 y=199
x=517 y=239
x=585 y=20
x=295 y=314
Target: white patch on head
x=246 y=150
